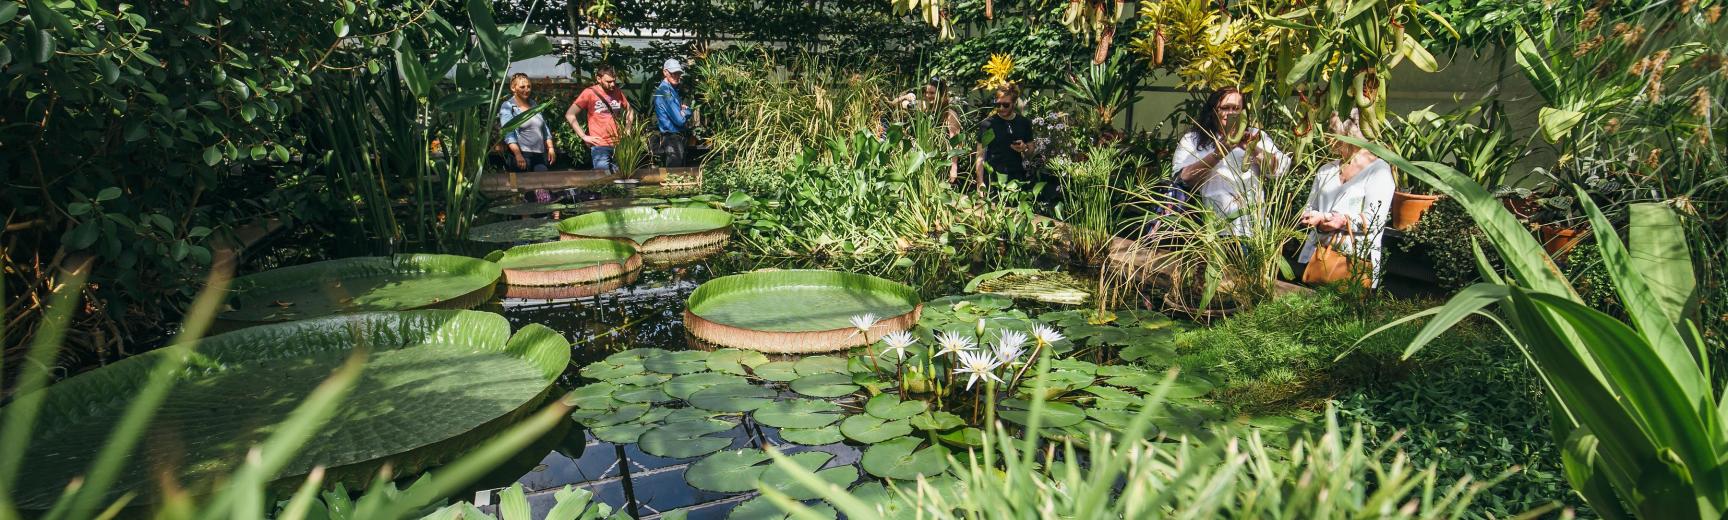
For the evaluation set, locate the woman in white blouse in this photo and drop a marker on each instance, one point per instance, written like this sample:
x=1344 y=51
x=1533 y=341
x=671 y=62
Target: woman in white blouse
x=1221 y=161
x=1351 y=200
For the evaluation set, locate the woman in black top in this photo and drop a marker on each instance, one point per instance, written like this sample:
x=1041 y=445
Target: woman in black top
x=1009 y=139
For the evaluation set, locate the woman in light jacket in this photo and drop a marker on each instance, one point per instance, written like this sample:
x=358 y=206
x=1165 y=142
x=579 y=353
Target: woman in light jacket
x=1221 y=160
x=529 y=147
x=1351 y=200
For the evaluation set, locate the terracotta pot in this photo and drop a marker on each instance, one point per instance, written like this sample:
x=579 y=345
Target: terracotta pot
x=1407 y=209
x=1559 y=240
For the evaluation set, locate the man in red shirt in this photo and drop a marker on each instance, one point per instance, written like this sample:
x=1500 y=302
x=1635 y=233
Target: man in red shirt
x=603 y=101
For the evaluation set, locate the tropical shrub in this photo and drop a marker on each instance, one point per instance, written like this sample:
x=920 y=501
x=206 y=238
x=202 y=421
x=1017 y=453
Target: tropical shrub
x=1633 y=408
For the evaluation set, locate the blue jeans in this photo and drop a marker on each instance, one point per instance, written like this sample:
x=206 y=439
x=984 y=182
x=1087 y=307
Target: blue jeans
x=536 y=162
x=602 y=157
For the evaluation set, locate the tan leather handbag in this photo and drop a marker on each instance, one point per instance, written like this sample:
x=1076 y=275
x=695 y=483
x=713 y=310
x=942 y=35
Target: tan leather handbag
x=1328 y=265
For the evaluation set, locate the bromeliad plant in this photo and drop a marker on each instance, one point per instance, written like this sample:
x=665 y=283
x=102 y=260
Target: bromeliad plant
x=1633 y=402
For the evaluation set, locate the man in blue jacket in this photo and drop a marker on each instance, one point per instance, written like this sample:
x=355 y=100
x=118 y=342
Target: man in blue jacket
x=671 y=114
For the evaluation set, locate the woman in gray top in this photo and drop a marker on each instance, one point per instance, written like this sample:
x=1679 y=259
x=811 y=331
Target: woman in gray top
x=530 y=145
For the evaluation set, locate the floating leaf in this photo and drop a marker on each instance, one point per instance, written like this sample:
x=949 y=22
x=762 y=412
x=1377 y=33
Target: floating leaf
x=606 y=371
x=734 y=361
x=636 y=355
x=1185 y=386
x=684 y=362
x=777 y=371
x=903 y=459
x=814 y=365
x=825 y=385
x=936 y=420
x=597 y=395
x=779 y=480
x=870 y=429
x=622 y=433
x=814 y=437
x=599 y=418
x=685 y=439
x=889 y=407
x=641 y=394
x=760 y=508
x=1112 y=398
x=730 y=471
x=643 y=379
x=683 y=386
x=798 y=413
x=732 y=397
x=1056 y=414
x=964 y=437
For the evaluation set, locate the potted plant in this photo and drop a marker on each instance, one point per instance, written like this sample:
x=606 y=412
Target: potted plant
x=631 y=150
x=1471 y=139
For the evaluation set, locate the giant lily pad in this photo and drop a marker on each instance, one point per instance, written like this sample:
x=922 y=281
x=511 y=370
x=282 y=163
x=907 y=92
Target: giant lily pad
x=528 y=230
x=401 y=282
x=437 y=380
x=531 y=208
x=568 y=262
x=652 y=230
x=797 y=311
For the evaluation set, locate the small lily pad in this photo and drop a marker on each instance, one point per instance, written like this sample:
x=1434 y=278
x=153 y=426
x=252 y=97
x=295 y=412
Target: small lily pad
x=777 y=371
x=734 y=361
x=1112 y=398
x=1055 y=414
x=636 y=356
x=683 y=386
x=813 y=437
x=798 y=413
x=685 y=439
x=675 y=363
x=600 y=418
x=820 y=365
x=732 y=397
x=596 y=395
x=825 y=385
x=964 y=437
x=889 y=407
x=608 y=371
x=936 y=420
x=904 y=459
x=760 y=508
x=642 y=379
x=641 y=394
x=869 y=429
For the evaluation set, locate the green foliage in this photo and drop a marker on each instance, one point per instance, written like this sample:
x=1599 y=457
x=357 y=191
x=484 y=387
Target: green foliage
x=245 y=487
x=1477 y=415
x=1633 y=409
x=1087 y=205
x=1125 y=477
x=1291 y=352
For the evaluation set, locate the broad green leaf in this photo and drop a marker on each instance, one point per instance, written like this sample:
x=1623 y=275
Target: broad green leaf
x=869 y=429
x=682 y=362
x=798 y=413
x=1055 y=414
x=1657 y=245
x=936 y=420
x=889 y=407
x=905 y=459
x=685 y=439
x=641 y=394
x=813 y=365
x=1419 y=55
x=1555 y=122
x=735 y=361
x=684 y=386
x=777 y=371
x=732 y=397
x=358 y=284
x=643 y=226
x=825 y=385
x=813 y=437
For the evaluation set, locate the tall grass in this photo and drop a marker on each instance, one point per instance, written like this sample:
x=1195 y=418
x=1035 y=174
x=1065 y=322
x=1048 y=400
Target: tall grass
x=1236 y=475
x=1087 y=205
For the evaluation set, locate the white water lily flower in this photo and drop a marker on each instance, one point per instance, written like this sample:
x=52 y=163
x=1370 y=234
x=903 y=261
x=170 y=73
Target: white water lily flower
x=1009 y=353
x=898 y=341
x=1010 y=338
x=1046 y=335
x=863 y=322
x=977 y=365
x=953 y=342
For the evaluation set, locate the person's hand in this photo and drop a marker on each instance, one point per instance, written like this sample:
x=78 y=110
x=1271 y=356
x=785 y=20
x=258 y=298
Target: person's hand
x=1018 y=146
x=551 y=155
x=521 y=162
x=1250 y=142
x=592 y=140
x=1310 y=218
x=1333 y=223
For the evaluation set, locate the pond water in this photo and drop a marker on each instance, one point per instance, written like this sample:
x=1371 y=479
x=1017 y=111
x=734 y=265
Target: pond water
x=647 y=312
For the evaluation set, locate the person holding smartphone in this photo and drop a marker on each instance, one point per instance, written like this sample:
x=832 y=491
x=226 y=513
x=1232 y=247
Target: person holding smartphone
x=1006 y=139
x=1221 y=159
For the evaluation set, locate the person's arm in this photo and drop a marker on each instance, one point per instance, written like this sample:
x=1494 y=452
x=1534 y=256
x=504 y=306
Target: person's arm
x=504 y=115
x=582 y=100
x=667 y=112
x=629 y=114
x=1372 y=202
x=1192 y=167
x=551 y=146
